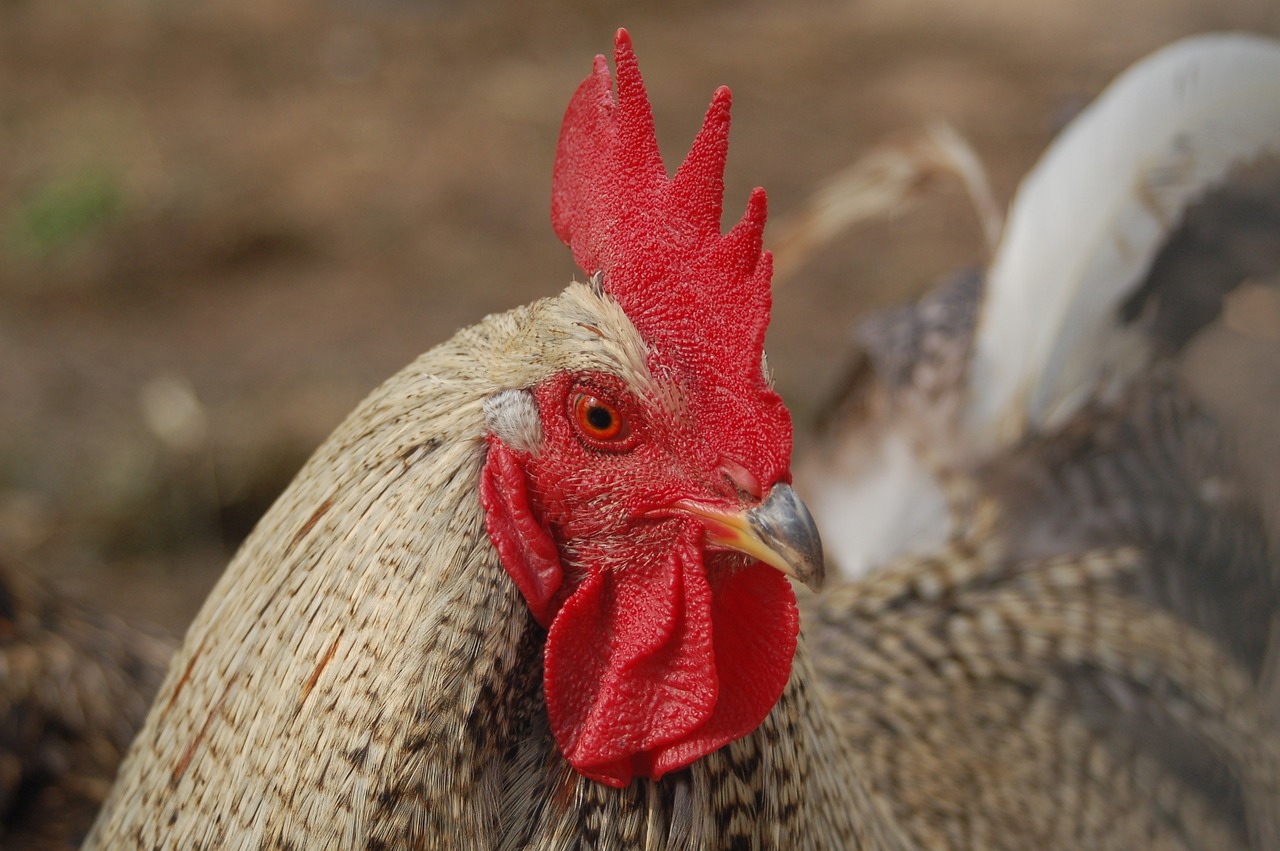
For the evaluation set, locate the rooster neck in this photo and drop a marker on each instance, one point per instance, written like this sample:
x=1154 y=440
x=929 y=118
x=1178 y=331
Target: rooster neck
x=791 y=784
x=364 y=652
x=366 y=675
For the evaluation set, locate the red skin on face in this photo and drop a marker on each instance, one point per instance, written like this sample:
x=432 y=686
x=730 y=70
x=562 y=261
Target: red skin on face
x=658 y=652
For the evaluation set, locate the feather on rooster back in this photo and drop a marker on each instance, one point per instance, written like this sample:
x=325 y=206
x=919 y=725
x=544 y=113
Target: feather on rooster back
x=1113 y=256
x=1088 y=580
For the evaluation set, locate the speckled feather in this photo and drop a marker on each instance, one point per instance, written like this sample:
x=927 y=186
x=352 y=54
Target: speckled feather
x=1010 y=703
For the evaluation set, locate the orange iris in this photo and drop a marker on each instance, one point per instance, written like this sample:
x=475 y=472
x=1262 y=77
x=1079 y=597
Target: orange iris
x=597 y=419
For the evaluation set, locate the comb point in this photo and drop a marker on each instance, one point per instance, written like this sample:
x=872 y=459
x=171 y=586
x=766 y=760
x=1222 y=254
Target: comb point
x=699 y=182
x=658 y=240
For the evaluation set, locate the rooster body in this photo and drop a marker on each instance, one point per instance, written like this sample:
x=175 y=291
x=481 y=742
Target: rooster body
x=1062 y=630
x=1081 y=665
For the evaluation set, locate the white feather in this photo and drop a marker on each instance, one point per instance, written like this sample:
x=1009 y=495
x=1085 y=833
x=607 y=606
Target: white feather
x=876 y=501
x=1088 y=221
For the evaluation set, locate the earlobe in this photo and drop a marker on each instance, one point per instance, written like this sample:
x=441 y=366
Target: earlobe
x=512 y=417
x=525 y=547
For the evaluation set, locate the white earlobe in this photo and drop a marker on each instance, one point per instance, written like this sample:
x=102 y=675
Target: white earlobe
x=512 y=417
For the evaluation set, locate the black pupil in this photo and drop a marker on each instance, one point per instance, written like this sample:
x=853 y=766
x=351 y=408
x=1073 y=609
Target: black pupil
x=600 y=419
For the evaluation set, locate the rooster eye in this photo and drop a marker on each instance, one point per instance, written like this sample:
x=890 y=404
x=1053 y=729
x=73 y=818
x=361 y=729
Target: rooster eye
x=598 y=421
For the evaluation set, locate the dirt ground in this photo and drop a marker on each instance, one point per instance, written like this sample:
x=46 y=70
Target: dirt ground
x=222 y=224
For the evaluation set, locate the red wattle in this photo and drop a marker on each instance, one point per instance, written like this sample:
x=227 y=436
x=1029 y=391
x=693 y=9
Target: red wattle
x=649 y=668
x=525 y=546
x=756 y=625
x=629 y=663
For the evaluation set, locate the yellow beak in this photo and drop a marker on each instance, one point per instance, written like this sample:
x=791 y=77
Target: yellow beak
x=779 y=532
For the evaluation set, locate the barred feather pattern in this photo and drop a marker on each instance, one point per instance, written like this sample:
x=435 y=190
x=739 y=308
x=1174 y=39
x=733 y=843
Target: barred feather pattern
x=1083 y=664
x=1151 y=471
x=74 y=687
x=994 y=700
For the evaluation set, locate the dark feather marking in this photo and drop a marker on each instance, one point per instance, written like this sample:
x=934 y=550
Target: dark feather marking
x=315 y=675
x=310 y=524
x=419 y=451
x=357 y=756
x=185 y=760
x=182 y=682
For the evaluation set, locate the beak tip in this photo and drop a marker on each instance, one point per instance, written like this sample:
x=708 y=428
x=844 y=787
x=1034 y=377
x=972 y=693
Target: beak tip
x=785 y=522
x=815 y=580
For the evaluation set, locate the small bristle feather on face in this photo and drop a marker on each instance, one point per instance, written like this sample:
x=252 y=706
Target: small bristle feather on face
x=647 y=517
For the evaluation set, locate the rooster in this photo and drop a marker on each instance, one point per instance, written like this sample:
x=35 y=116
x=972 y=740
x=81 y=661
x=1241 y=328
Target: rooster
x=533 y=593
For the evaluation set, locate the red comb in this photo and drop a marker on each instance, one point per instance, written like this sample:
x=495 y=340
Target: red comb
x=655 y=239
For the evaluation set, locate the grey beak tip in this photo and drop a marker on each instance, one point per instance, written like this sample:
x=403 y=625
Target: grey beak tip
x=815 y=581
x=785 y=520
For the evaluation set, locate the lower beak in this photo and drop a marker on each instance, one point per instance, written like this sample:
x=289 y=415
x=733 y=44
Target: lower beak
x=779 y=532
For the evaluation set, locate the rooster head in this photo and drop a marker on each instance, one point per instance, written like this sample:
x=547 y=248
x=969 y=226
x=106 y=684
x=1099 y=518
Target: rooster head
x=640 y=499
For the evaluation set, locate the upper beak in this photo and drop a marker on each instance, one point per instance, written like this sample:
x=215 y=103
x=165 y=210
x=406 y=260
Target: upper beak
x=779 y=532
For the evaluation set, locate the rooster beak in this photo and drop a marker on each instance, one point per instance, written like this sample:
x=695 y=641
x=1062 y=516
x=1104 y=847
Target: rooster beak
x=779 y=532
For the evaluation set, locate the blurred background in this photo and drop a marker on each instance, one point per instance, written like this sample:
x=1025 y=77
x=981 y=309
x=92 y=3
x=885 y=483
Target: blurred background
x=222 y=224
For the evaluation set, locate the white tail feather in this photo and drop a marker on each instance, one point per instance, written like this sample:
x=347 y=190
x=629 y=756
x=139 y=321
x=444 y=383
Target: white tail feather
x=1087 y=222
